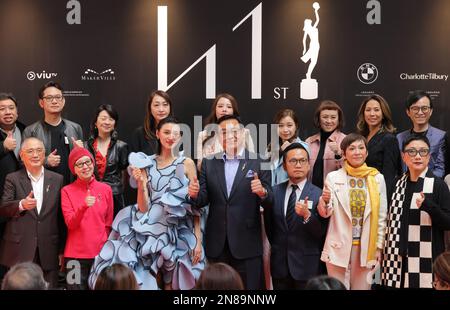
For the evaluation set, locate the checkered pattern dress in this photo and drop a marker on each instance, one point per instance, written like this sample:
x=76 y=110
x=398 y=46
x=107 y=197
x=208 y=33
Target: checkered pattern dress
x=419 y=258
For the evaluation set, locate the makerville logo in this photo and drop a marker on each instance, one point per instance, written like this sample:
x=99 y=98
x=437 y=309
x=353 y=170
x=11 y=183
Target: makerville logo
x=367 y=73
x=92 y=75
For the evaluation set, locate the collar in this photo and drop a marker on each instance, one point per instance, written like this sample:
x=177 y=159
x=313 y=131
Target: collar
x=240 y=155
x=5 y=132
x=32 y=178
x=300 y=184
x=84 y=183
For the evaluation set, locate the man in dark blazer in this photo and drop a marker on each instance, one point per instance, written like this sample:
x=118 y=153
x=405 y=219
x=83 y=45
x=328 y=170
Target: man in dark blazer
x=31 y=202
x=294 y=228
x=234 y=186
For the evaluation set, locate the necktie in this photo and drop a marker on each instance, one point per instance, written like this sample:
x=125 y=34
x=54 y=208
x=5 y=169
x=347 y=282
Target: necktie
x=290 y=212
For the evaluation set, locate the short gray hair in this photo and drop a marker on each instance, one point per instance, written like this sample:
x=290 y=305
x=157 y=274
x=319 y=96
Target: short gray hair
x=25 y=276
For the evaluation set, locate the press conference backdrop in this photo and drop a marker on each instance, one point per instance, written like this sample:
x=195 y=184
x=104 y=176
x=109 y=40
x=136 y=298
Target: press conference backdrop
x=117 y=52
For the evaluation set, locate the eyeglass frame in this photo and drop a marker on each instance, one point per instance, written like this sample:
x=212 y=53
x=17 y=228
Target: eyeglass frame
x=49 y=99
x=87 y=163
x=409 y=152
x=422 y=108
x=302 y=162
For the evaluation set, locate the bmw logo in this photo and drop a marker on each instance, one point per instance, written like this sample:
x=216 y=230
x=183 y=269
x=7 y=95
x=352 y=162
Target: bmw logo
x=367 y=73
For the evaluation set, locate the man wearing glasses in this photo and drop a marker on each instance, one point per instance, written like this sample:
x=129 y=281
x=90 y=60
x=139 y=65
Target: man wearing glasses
x=294 y=228
x=57 y=133
x=419 y=108
x=417 y=218
x=31 y=204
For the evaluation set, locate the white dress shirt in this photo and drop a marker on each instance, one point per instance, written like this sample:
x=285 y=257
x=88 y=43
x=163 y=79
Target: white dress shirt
x=38 y=190
x=298 y=192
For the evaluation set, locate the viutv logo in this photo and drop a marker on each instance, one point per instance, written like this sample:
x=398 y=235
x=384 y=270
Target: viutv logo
x=367 y=73
x=92 y=75
x=31 y=75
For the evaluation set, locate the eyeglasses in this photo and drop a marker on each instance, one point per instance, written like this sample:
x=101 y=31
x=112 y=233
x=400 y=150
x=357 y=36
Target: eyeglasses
x=88 y=163
x=424 y=109
x=30 y=152
x=413 y=152
x=293 y=162
x=49 y=99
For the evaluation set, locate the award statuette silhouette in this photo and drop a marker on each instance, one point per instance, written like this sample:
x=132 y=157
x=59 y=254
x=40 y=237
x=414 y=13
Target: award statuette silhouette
x=309 y=86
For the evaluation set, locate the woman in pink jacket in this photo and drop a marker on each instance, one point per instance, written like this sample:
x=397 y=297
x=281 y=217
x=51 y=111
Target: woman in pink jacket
x=326 y=155
x=87 y=207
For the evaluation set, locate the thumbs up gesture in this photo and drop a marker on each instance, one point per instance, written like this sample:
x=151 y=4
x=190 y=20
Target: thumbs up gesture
x=10 y=143
x=53 y=160
x=302 y=208
x=29 y=202
x=89 y=200
x=326 y=194
x=257 y=187
x=420 y=200
x=76 y=142
x=194 y=188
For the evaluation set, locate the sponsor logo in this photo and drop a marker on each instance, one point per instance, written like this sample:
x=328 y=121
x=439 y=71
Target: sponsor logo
x=31 y=75
x=367 y=73
x=423 y=76
x=92 y=75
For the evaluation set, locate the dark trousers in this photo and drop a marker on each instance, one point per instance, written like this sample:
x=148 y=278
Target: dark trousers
x=250 y=269
x=119 y=203
x=288 y=283
x=51 y=276
x=77 y=279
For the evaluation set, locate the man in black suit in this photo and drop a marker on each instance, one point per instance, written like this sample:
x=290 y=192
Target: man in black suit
x=234 y=186
x=294 y=228
x=31 y=202
x=10 y=139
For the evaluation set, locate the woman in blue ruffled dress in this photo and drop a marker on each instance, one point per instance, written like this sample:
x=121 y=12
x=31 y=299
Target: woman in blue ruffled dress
x=162 y=231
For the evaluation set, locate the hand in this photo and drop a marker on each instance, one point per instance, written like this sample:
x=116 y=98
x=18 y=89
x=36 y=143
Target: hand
x=77 y=142
x=53 y=160
x=60 y=260
x=420 y=200
x=10 y=143
x=89 y=200
x=193 y=188
x=378 y=256
x=197 y=253
x=29 y=202
x=326 y=194
x=302 y=209
x=323 y=209
x=141 y=177
x=285 y=145
x=334 y=147
x=257 y=187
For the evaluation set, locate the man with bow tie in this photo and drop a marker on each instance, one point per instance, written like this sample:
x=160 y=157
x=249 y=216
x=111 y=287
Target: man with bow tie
x=31 y=204
x=234 y=185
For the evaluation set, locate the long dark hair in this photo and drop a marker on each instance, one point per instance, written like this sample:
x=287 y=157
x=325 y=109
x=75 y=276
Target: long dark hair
x=386 y=123
x=149 y=121
x=212 y=117
x=112 y=113
x=167 y=120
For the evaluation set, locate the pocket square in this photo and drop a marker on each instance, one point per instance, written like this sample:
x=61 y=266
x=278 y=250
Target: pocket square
x=250 y=174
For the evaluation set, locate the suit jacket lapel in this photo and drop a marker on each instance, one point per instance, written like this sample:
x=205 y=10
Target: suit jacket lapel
x=25 y=182
x=280 y=204
x=45 y=193
x=341 y=191
x=240 y=173
x=220 y=170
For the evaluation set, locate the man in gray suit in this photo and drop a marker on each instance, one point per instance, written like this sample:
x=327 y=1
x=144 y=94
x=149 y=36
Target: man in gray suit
x=31 y=203
x=234 y=186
